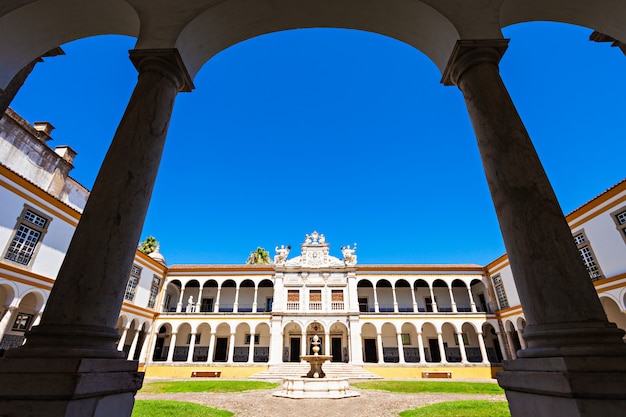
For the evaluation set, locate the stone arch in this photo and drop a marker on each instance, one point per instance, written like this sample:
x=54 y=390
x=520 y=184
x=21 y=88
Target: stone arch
x=38 y=296
x=183 y=338
x=384 y=295
x=422 y=295
x=243 y=340
x=7 y=293
x=410 y=344
x=432 y=352
x=470 y=336
x=442 y=296
x=450 y=342
x=262 y=348
x=265 y=296
x=614 y=313
x=201 y=349
x=338 y=345
x=58 y=22
x=492 y=344
x=480 y=295
x=403 y=296
x=292 y=341
x=368 y=340
x=388 y=333
x=414 y=23
x=172 y=295
x=246 y=296
x=209 y=296
x=162 y=342
x=227 y=296
x=365 y=294
x=461 y=296
x=591 y=15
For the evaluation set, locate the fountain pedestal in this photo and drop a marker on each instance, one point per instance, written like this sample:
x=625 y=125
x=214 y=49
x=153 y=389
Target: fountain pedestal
x=315 y=384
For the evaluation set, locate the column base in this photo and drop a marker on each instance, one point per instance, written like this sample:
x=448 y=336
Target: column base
x=567 y=386
x=68 y=387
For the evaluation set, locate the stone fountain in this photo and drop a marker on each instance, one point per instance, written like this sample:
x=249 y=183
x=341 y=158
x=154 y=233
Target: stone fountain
x=315 y=384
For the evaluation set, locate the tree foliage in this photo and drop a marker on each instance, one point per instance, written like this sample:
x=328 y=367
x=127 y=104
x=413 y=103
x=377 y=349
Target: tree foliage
x=149 y=245
x=259 y=257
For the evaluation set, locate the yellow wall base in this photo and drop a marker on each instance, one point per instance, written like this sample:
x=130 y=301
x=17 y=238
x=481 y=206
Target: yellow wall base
x=153 y=371
x=460 y=372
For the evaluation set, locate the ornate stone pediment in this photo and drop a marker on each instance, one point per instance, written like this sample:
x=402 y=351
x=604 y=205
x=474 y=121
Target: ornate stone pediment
x=315 y=254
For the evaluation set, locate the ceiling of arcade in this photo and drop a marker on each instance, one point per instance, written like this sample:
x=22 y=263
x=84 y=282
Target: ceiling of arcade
x=199 y=29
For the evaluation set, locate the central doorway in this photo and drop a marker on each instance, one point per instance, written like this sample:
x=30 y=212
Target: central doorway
x=294 y=349
x=336 y=349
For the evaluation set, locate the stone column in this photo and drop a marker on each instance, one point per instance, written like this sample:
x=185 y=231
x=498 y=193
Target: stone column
x=7 y=319
x=413 y=299
x=395 y=299
x=327 y=342
x=442 y=349
x=304 y=344
x=170 y=352
x=277 y=340
x=503 y=349
x=148 y=348
x=255 y=302
x=512 y=350
x=376 y=301
x=420 y=346
x=120 y=345
x=432 y=298
x=192 y=347
x=251 y=349
x=236 y=303
x=483 y=349
x=459 y=336
x=452 y=302
x=231 y=348
x=216 y=307
x=356 y=343
x=400 y=348
x=179 y=305
x=199 y=301
x=379 y=343
x=133 y=345
x=211 y=348
x=471 y=298
x=520 y=335
x=568 y=336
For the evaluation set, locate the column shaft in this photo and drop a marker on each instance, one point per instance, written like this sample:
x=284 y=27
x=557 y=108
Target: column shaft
x=420 y=346
x=251 y=348
x=400 y=348
x=192 y=347
x=379 y=342
x=170 y=352
x=133 y=345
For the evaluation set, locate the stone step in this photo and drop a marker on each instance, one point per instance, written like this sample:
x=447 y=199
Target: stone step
x=332 y=369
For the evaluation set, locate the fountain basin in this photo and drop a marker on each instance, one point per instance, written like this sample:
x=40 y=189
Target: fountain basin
x=332 y=388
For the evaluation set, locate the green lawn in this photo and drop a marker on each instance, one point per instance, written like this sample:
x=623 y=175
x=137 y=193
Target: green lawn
x=205 y=386
x=158 y=408
x=478 y=408
x=413 y=387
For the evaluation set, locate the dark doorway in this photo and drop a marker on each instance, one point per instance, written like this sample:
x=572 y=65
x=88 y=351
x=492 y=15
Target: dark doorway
x=207 y=305
x=363 y=305
x=482 y=302
x=158 y=349
x=294 y=355
x=336 y=349
x=435 y=354
x=221 y=345
x=496 y=347
x=370 y=350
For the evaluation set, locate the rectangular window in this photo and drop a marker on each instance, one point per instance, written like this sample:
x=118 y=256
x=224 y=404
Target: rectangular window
x=133 y=281
x=154 y=291
x=363 y=305
x=406 y=339
x=293 y=300
x=586 y=253
x=619 y=217
x=500 y=293
x=249 y=336
x=29 y=231
x=22 y=322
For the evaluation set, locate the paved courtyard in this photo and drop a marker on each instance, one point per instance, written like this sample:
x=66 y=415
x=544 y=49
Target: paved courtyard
x=263 y=404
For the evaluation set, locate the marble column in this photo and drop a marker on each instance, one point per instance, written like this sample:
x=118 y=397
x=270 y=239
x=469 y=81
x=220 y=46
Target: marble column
x=356 y=343
x=216 y=307
x=255 y=302
x=442 y=348
x=133 y=345
x=452 y=302
x=420 y=347
x=379 y=343
x=231 y=348
x=503 y=349
x=211 y=348
x=376 y=301
x=483 y=349
x=304 y=344
x=236 y=302
x=413 y=300
x=327 y=342
x=172 y=348
x=395 y=299
x=400 y=348
x=199 y=300
x=471 y=298
x=120 y=345
x=462 y=348
x=192 y=347
x=251 y=349
x=568 y=336
x=7 y=320
x=432 y=299
x=179 y=305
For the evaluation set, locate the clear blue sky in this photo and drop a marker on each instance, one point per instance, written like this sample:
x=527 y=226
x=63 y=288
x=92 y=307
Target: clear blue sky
x=344 y=132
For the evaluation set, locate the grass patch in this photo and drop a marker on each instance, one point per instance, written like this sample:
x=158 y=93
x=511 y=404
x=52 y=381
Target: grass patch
x=413 y=387
x=205 y=386
x=158 y=408
x=461 y=409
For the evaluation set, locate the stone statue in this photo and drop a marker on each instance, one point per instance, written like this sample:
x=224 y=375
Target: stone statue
x=349 y=255
x=281 y=254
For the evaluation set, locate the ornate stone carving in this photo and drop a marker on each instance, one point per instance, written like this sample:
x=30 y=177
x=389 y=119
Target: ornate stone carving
x=281 y=254
x=349 y=255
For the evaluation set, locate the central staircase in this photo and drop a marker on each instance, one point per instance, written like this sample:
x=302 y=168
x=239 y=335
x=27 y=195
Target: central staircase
x=332 y=370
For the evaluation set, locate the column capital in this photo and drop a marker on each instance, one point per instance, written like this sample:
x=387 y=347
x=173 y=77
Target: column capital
x=467 y=53
x=165 y=59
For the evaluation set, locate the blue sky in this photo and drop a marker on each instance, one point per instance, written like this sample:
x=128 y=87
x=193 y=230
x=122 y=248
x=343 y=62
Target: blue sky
x=344 y=132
